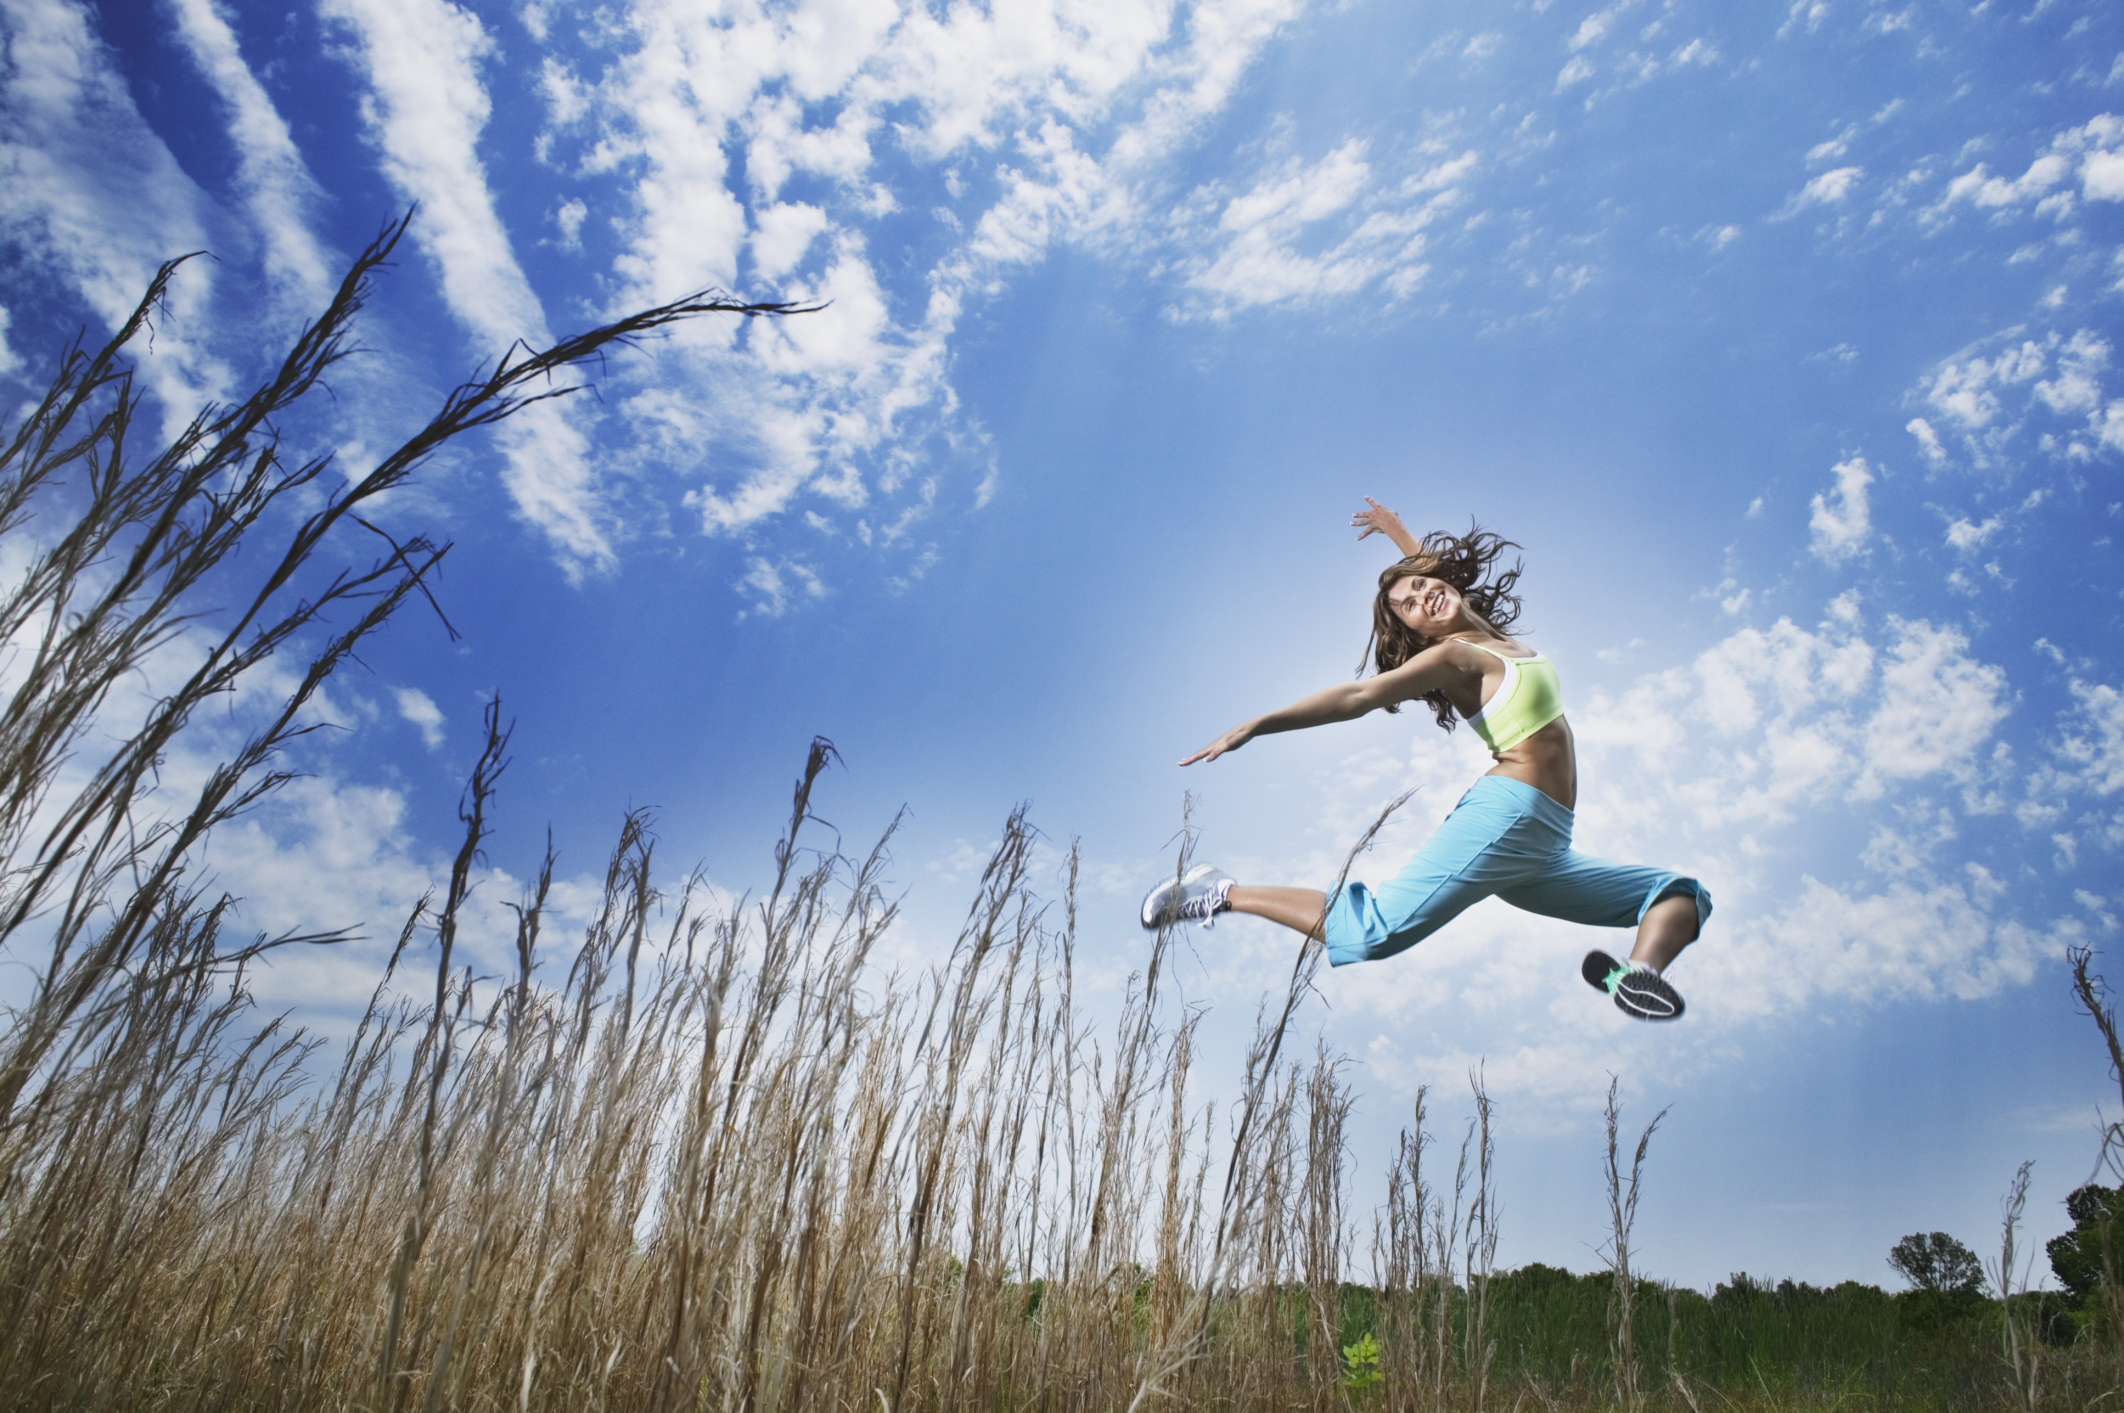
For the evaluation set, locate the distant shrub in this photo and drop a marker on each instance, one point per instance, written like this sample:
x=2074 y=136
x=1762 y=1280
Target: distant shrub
x=1935 y=1261
x=2076 y=1257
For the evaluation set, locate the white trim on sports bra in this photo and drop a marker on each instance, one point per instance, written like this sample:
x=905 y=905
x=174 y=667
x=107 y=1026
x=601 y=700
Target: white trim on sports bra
x=1506 y=688
x=1504 y=691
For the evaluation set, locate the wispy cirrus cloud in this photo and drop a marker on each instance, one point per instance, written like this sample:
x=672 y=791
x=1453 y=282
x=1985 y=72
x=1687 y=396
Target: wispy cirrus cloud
x=274 y=181
x=1047 y=124
x=1251 y=245
x=94 y=195
x=425 y=108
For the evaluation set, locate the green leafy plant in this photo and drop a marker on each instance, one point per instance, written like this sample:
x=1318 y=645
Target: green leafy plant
x=1360 y=1363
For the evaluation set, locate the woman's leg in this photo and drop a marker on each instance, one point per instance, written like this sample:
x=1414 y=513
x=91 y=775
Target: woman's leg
x=1299 y=909
x=1467 y=858
x=1667 y=926
x=1580 y=888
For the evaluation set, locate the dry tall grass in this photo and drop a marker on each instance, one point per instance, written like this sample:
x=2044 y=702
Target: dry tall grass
x=703 y=1165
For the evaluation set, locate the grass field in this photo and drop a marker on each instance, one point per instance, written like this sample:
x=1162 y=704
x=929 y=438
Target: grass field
x=704 y=1156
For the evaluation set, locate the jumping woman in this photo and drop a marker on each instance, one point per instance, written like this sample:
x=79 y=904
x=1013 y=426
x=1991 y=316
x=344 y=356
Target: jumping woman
x=1439 y=626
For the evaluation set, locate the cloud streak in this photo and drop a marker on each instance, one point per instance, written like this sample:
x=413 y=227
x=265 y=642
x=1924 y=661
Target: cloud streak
x=94 y=194
x=425 y=108
x=276 y=184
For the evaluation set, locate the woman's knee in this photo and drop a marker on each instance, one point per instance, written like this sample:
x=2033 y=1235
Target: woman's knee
x=1678 y=890
x=1359 y=929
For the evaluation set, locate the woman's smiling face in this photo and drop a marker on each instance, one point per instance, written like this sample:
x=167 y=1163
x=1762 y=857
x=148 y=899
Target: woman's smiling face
x=1430 y=607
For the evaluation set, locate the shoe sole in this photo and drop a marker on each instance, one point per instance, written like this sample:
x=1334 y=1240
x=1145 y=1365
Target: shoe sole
x=1647 y=996
x=1159 y=899
x=1597 y=968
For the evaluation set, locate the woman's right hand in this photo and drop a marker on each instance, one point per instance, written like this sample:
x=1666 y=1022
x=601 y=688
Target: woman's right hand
x=1231 y=740
x=1379 y=520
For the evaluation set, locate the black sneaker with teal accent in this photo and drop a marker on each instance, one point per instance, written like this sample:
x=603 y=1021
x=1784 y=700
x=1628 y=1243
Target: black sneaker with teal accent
x=1639 y=992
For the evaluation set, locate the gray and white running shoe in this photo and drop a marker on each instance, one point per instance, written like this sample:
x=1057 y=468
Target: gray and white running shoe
x=1638 y=993
x=1195 y=896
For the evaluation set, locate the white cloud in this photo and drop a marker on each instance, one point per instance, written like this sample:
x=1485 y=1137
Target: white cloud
x=1937 y=706
x=1595 y=26
x=2088 y=151
x=419 y=708
x=1979 y=188
x=1048 y=123
x=1832 y=149
x=425 y=108
x=2102 y=176
x=1965 y=535
x=96 y=195
x=1772 y=721
x=1841 y=525
x=774 y=588
x=2101 y=163
x=270 y=173
x=1825 y=190
x=1985 y=400
x=1809 y=13
x=1927 y=942
x=9 y=359
x=1967 y=392
x=325 y=853
x=781 y=237
x=568 y=218
x=2092 y=743
x=2076 y=388
x=1928 y=440
x=1256 y=238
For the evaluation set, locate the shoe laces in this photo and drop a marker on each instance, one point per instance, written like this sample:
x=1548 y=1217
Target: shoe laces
x=1203 y=907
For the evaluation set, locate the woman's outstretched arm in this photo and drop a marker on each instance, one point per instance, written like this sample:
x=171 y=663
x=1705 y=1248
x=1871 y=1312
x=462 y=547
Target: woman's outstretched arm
x=1346 y=701
x=1380 y=521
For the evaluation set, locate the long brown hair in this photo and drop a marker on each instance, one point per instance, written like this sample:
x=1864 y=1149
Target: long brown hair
x=1467 y=562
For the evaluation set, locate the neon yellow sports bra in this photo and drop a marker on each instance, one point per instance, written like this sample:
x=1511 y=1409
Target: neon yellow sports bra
x=1529 y=698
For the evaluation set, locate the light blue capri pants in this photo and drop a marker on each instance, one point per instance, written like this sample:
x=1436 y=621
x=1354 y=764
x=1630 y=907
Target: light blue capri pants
x=1508 y=838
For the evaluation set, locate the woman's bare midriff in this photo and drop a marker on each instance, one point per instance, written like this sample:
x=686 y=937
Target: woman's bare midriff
x=1547 y=761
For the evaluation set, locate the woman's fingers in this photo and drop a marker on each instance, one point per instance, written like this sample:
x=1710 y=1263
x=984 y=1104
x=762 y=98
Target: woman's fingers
x=1214 y=749
x=1374 y=520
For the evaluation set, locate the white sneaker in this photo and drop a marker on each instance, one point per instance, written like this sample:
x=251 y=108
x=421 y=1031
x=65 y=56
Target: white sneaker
x=1195 y=896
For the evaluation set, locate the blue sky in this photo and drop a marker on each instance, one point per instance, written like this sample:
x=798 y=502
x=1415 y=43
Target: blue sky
x=1784 y=339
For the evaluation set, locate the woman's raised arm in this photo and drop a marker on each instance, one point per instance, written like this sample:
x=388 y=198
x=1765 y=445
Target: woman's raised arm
x=1380 y=521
